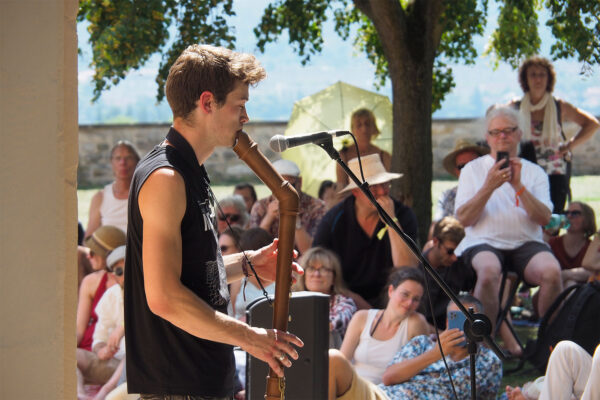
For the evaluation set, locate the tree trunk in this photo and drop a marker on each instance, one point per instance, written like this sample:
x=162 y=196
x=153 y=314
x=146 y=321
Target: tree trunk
x=410 y=38
x=412 y=139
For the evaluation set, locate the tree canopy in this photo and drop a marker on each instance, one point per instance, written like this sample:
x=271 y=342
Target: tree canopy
x=413 y=42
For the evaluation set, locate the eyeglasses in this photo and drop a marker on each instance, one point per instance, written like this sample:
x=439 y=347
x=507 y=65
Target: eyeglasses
x=506 y=131
x=460 y=166
x=322 y=270
x=574 y=213
x=449 y=251
x=230 y=217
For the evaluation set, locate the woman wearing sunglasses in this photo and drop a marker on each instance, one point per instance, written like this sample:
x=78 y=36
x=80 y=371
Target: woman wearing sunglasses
x=570 y=248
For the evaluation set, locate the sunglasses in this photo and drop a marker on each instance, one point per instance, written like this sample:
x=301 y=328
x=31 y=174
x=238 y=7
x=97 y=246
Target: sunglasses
x=460 y=166
x=118 y=271
x=449 y=251
x=574 y=213
x=230 y=217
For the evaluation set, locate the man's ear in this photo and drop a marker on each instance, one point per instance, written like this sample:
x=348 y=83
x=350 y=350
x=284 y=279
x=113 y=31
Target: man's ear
x=206 y=102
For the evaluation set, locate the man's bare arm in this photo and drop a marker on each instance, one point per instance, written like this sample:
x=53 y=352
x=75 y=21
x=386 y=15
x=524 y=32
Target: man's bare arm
x=162 y=202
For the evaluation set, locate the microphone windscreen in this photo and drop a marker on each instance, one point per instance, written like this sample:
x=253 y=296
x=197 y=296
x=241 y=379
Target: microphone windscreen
x=278 y=143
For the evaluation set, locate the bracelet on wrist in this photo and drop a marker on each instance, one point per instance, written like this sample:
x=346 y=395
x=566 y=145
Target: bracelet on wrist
x=245 y=266
x=518 y=194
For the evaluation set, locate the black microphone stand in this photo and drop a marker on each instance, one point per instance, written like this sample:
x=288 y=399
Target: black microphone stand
x=477 y=326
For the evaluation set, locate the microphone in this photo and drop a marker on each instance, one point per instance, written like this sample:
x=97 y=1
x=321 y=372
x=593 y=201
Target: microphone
x=279 y=143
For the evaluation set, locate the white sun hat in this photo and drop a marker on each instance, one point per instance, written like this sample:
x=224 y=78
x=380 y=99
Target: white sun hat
x=373 y=170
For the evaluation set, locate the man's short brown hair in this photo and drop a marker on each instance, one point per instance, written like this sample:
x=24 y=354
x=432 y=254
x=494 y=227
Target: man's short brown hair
x=203 y=68
x=449 y=229
x=539 y=62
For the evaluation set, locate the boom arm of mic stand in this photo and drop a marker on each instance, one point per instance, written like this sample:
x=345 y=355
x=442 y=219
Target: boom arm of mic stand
x=481 y=325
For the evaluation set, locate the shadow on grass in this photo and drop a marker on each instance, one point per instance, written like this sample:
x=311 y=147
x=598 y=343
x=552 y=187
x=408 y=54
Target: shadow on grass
x=527 y=372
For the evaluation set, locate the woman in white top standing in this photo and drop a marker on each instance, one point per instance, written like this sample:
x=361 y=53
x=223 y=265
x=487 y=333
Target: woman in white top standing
x=109 y=205
x=544 y=116
x=374 y=336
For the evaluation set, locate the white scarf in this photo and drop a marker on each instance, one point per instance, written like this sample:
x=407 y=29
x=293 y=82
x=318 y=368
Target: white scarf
x=551 y=129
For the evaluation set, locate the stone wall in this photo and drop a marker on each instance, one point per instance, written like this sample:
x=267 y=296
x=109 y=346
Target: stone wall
x=95 y=142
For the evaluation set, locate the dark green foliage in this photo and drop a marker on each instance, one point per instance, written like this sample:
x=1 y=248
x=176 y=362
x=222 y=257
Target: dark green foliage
x=302 y=21
x=517 y=35
x=576 y=26
x=460 y=23
x=125 y=33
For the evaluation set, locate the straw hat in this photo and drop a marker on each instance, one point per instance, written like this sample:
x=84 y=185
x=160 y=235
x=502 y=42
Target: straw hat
x=460 y=146
x=105 y=239
x=373 y=170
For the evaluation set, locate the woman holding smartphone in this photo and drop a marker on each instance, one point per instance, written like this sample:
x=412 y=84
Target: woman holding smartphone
x=417 y=370
x=374 y=336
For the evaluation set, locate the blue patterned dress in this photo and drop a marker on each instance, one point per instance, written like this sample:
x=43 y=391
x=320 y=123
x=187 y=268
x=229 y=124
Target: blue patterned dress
x=433 y=384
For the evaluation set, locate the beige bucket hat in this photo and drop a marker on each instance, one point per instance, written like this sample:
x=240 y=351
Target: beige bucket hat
x=373 y=170
x=105 y=239
x=460 y=146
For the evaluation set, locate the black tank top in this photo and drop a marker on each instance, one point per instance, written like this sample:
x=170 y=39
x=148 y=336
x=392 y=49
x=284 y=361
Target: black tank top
x=161 y=358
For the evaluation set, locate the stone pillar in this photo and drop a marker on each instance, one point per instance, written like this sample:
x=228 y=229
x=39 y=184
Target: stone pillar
x=38 y=200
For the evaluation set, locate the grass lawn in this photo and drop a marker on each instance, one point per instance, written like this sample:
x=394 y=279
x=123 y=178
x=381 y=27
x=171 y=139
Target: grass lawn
x=584 y=188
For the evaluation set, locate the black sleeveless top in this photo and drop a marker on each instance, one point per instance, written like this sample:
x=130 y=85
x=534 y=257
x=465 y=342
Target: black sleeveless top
x=161 y=358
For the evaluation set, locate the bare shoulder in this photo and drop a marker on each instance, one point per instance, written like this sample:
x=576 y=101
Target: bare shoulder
x=574 y=114
x=97 y=199
x=566 y=109
x=416 y=318
x=98 y=195
x=360 y=318
x=417 y=324
x=163 y=193
x=164 y=175
x=90 y=283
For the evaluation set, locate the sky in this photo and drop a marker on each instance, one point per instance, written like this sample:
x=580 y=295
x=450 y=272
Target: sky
x=477 y=87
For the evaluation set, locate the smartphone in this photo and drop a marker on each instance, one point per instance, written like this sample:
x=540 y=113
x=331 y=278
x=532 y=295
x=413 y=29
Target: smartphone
x=503 y=155
x=456 y=319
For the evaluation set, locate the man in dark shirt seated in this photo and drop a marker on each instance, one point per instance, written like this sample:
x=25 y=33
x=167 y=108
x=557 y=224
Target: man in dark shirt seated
x=367 y=248
x=447 y=234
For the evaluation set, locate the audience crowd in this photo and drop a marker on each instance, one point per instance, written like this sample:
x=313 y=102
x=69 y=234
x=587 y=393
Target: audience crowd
x=384 y=313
